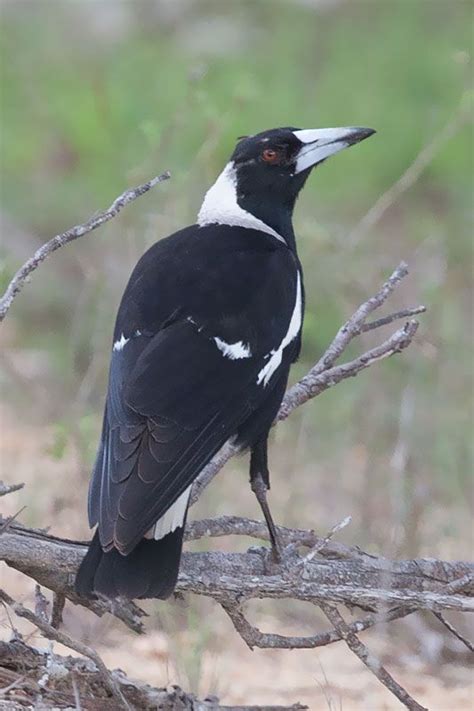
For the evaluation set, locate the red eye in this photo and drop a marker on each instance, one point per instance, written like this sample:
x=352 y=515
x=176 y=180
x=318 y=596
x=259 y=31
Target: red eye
x=270 y=155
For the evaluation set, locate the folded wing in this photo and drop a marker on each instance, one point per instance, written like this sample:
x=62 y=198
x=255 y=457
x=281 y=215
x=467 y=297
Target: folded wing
x=173 y=401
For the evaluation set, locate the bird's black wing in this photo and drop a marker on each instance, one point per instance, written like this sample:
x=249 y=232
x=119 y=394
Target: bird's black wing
x=174 y=398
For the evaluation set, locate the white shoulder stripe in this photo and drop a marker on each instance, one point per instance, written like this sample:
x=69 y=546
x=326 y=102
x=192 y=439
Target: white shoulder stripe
x=220 y=206
x=294 y=326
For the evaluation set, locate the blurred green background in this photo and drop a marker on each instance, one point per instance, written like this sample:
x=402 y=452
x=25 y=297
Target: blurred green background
x=100 y=96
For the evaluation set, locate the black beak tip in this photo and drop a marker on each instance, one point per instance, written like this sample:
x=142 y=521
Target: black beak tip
x=363 y=133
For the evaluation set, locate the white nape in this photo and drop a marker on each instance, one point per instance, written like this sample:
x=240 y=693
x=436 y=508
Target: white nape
x=275 y=356
x=220 y=206
x=118 y=345
x=233 y=351
x=174 y=517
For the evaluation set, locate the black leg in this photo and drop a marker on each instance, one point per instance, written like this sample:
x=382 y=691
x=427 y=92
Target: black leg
x=260 y=483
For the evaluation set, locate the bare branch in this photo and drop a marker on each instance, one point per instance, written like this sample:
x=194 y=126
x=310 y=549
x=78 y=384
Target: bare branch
x=318 y=547
x=240 y=526
x=75 y=679
x=53 y=634
x=350 y=578
x=9 y=488
x=4 y=524
x=352 y=327
x=396 y=316
x=314 y=384
x=39 y=543
x=21 y=277
x=467 y=643
x=368 y=658
x=253 y=637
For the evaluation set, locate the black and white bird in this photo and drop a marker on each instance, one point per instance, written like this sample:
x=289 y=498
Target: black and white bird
x=208 y=327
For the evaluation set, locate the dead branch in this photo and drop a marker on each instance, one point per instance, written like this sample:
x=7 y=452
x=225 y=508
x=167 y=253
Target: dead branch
x=254 y=637
x=359 y=579
x=73 y=682
x=22 y=275
x=368 y=658
x=127 y=612
x=9 y=488
x=52 y=633
x=340 y=574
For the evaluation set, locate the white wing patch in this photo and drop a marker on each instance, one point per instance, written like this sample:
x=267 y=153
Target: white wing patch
x=275 y=356
x=174 y=517
x=220 y=206
x=233 y=351
x=118 y=345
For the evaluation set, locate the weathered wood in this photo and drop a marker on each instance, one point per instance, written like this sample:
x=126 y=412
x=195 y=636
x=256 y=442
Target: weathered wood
x=356 y=579
x=26 y=673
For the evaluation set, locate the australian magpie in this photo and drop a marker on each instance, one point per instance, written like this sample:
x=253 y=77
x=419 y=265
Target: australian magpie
x=206 y=332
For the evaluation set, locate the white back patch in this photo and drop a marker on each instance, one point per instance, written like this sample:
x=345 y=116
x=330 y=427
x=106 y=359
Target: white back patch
x=233 y=351
x=174 y=517
x=220 y=206
x=294 y=326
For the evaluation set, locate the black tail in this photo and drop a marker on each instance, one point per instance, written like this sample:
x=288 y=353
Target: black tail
x=150 y=570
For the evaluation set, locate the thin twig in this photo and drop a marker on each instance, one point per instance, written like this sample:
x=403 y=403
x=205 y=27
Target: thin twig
x=59 y=601
x=368 y=658
x=5 y=524
x=9 y=488
x=318 y=547
x=313 y=384
x=352 y=327
x=21 y=277
x=454 y=631
x=53 y=634
x=396 y=316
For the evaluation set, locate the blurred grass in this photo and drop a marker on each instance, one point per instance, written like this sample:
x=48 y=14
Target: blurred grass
x=95 y=99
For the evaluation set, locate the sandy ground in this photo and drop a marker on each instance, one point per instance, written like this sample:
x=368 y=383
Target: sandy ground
x=199 y=649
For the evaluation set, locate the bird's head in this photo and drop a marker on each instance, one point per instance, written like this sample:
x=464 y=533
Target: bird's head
x=267 y=171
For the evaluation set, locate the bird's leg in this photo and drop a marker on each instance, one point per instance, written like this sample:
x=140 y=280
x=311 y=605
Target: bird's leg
x=260 y=483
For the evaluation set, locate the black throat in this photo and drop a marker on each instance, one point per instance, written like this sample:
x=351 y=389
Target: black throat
x=270 y=211
x=270 y=195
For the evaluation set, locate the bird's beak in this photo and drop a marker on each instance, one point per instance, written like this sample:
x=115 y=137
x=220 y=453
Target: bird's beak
x=320 y=143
